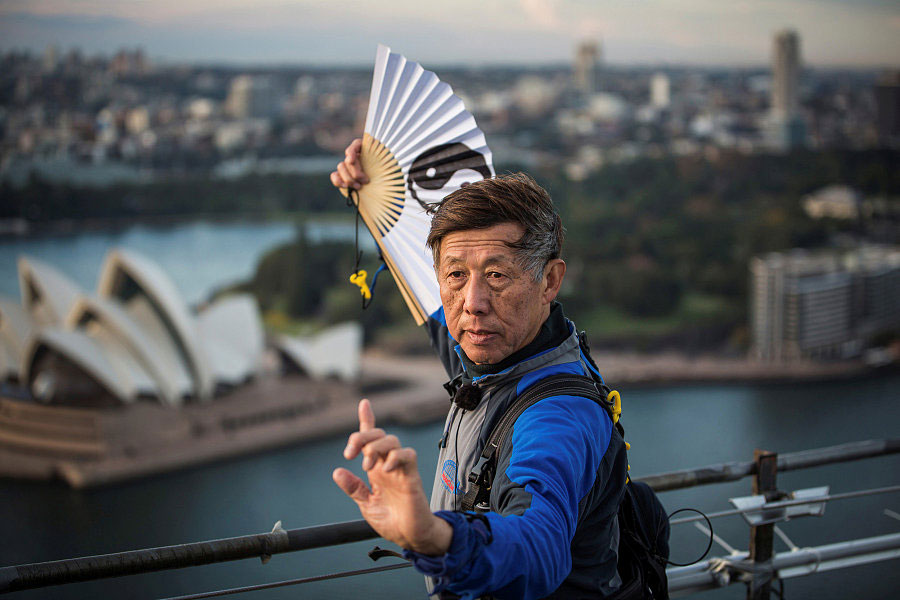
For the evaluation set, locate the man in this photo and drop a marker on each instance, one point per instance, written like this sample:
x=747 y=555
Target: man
x=552 y=528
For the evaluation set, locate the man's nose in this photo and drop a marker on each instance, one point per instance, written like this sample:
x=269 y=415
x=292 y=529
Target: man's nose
x=477 y=297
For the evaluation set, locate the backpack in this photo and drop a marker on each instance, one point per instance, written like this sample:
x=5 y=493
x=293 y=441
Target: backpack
x=643 y=525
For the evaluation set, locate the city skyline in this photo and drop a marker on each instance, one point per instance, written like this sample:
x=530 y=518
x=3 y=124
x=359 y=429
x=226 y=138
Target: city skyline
x=864 y=33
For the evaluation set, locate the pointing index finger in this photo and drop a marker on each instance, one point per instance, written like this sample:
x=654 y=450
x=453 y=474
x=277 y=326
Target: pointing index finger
x=366 y=416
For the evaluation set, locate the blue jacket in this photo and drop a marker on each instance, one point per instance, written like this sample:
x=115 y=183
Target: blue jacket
x=552 y=530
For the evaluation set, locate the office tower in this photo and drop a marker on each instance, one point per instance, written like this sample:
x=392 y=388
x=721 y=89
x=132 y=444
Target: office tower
x=587 y=67
x=785 y=74
x=659 y=90
x=50 y=58
x=887 y=101
x=785 y=126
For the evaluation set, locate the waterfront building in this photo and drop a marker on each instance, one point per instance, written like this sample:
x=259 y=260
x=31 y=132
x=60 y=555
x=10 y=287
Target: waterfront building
x=150 y=297
x=332 y=353
x=16 y=328
x=136 y=338
x=47 y=294
x=824 y=304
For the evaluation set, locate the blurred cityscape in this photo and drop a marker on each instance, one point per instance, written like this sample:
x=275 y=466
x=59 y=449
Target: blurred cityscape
x=740 y=208
x=67 y=115
x=174 y=260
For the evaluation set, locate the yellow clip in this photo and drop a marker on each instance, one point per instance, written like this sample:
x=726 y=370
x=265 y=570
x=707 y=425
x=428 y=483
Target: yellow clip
x=617 y=405
x=359 y=278
x=627 y=446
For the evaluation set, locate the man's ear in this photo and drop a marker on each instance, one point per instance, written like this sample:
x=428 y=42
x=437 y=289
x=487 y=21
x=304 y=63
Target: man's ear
x=554 y=271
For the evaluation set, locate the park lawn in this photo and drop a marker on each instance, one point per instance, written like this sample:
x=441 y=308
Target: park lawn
x=694 y=309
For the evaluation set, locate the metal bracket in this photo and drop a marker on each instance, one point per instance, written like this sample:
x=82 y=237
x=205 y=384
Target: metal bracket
x=277 y=529
x=757 y=511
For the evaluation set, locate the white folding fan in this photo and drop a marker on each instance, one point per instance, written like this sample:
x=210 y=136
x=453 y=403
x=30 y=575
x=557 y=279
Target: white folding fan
x=420 y=144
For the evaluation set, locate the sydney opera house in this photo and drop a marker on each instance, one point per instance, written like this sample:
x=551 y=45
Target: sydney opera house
x=128 y=380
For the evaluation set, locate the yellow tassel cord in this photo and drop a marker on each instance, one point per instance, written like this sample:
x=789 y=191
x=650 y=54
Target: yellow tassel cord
x=359 y=278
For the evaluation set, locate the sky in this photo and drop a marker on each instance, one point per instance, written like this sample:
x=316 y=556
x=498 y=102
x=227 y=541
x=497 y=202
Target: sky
x=858 y=33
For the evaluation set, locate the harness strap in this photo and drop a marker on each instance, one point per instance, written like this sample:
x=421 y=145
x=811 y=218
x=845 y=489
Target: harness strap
x=477 y=496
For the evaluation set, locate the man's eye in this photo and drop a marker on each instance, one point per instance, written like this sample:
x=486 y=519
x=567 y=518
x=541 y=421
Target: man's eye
x=494 y=275
x=455 y=274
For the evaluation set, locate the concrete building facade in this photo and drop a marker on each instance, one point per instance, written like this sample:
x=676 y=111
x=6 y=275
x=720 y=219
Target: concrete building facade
x=786 y=126
x=825 y=305
x=588 y=56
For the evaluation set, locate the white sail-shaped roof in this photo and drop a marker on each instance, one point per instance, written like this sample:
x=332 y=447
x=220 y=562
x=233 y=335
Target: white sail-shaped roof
x=47 y=294
x=16 y=328
x=334 y=352
x=114 y=329
x=8 y=367
x=153 y=301
x=43 y=367
x=232 y=335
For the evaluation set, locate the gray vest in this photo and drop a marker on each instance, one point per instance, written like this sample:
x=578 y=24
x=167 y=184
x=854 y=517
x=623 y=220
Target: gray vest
x=595 y=544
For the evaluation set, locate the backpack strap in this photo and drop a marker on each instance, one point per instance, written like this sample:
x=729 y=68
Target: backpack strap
x=481 y=477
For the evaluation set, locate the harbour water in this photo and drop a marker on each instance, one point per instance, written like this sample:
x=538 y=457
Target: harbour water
x=199 y=256
x=669 y=428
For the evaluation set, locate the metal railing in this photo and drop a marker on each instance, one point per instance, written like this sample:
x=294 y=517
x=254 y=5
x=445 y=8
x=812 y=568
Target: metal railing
x=264 y=545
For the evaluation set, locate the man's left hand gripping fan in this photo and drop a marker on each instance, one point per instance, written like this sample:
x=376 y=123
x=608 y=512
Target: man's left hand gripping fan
x=420 y=144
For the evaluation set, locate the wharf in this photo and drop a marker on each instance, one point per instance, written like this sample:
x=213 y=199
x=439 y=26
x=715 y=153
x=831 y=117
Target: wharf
x=87 y=447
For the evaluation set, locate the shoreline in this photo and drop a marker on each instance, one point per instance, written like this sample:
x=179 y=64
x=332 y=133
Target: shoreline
x=15 y=229
x=632 y=369
x=90 y=447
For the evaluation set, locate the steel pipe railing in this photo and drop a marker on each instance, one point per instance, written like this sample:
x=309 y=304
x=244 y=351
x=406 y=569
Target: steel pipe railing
x=793 y=461
x=718 y=572
x=35 y=575
x=264 y=545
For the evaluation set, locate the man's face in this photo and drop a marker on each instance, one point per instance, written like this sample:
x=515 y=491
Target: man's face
x=493 y=307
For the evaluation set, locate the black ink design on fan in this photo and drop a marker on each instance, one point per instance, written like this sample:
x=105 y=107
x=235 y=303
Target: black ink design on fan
x=433 y=168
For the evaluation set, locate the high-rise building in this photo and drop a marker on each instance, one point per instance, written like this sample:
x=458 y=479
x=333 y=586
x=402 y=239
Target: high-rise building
x=50 y=58
x=823 y=305
x=786 y=128
x=129 y=62
x=785 y=74
x=587 y=67
x=659 y=90
x=251 y=97
x=887 y=101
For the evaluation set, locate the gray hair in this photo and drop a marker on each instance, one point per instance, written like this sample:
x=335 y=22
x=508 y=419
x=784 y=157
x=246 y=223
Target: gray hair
x=515 y=198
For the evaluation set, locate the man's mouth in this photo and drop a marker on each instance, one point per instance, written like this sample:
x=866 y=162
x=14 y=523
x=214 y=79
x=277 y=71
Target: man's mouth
x=480 y=336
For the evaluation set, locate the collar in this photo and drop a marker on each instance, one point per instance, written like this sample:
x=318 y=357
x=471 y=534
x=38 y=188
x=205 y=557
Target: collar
x=553 y=333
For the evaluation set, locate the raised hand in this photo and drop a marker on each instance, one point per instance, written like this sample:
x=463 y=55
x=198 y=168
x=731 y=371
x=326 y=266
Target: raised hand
x=349 y=173
x=395 y=505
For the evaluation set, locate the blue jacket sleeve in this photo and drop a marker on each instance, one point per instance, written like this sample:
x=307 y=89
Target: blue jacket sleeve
x=443 y=343
x=557 y=447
